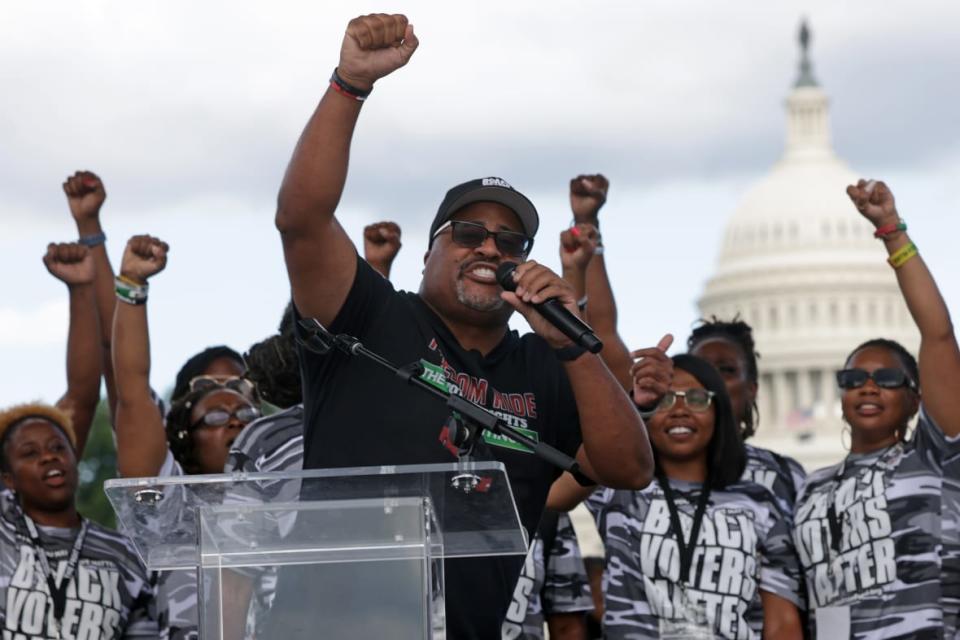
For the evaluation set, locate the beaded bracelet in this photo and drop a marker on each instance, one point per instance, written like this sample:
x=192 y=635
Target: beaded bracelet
x=93 y=240
x=902 y=255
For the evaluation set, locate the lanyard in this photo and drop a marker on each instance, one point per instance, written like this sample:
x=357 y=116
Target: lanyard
x=685 y=547
x=833 y=518
x=58 y=593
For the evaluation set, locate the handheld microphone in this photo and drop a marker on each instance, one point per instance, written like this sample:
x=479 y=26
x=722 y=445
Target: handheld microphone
x=555 y=313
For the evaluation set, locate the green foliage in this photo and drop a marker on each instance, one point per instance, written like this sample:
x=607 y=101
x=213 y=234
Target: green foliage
x=99 y=463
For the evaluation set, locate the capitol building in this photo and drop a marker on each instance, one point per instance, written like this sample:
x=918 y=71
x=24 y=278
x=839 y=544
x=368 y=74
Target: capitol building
x=801 y=266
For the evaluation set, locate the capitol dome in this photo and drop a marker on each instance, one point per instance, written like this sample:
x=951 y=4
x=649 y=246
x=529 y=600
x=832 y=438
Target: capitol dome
x=800 y=264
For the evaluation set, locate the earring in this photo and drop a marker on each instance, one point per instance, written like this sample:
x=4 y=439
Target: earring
x=845 y=431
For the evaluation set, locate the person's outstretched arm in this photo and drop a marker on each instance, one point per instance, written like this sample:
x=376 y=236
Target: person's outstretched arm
x=72 y=264
x=588 y=194
x=939 y=359
x=381 y=244
x=141 y=438
x=321 y=260
x=85 y=195
x=577 y=246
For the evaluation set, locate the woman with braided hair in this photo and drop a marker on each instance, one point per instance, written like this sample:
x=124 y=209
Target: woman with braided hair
x=729 y=347
x=211 y=405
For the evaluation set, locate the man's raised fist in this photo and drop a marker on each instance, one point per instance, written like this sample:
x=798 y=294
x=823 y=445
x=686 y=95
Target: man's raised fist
x=85 y=195
x=145 y=256
x=69 y=262
x=375 y=46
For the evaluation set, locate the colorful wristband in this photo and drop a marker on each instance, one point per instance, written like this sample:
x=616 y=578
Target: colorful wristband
x=93 y=240
x=890 y=229
x=902 y=255
x=343 y=88
x=130 y=293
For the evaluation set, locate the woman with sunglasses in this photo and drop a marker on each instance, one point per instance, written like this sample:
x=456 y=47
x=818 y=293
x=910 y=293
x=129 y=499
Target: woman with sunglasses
x=210 y=407
x=60 y=574
x=877 y=533
x=699 y=553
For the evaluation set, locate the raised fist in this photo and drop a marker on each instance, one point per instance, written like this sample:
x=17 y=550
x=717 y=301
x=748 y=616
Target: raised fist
x=145 y=256
x=381 y=243
x=85 y=195
x=577 y=245
x=69 y=262
x=375 y=46
x=874 y=200
x=587 y=195
x=652 y=373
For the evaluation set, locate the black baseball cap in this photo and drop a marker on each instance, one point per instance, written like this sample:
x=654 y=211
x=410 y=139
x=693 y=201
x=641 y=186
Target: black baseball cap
x=490 y=189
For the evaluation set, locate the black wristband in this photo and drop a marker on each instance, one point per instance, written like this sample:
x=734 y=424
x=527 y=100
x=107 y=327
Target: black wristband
x=569 y=353
x=344 y=87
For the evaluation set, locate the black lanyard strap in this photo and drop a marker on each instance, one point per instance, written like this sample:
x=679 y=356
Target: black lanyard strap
x=685 y=547
x=833 y=518
x=58 y=593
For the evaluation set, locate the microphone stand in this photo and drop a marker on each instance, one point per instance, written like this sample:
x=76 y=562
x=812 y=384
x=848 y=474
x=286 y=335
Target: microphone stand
x=470 y=419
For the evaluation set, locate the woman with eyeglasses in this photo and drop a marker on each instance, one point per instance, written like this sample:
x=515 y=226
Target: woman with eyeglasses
x=207 y=411
x=699 y=553
x=877 y=533
x=211 y=405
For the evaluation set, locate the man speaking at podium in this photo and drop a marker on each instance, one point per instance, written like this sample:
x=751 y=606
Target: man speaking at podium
x=357 y=414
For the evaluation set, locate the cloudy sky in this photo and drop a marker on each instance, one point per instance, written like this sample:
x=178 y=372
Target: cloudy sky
x=189 y=112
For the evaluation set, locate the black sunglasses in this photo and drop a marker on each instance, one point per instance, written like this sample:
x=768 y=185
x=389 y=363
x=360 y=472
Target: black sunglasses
x=473 y=234
x=885 y=378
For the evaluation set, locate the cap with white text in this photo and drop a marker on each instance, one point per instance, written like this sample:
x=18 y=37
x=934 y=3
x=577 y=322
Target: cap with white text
x=487 y=190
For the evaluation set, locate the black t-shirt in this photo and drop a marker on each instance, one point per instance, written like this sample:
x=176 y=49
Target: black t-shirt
x=358 y=414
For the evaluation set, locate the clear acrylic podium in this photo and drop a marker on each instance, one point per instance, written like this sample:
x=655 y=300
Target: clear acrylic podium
x=326 y=553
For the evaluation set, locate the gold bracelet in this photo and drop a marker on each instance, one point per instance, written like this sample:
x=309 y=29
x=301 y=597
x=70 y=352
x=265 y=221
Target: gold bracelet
x=902 y=255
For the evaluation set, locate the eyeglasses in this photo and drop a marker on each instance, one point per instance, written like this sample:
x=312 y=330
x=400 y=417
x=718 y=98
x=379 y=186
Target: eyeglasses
x=697 y=400
x=473 y=234
x=220 y=417
x=885 y=378
x=234 y=383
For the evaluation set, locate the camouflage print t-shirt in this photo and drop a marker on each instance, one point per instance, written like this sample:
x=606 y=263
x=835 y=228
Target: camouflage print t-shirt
x=272 y=443
x=950 y=528
x=559 y=585
x=782 y=475
x=744 y=547
x=177 y=589
x=109 y=596
x=893 y=554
